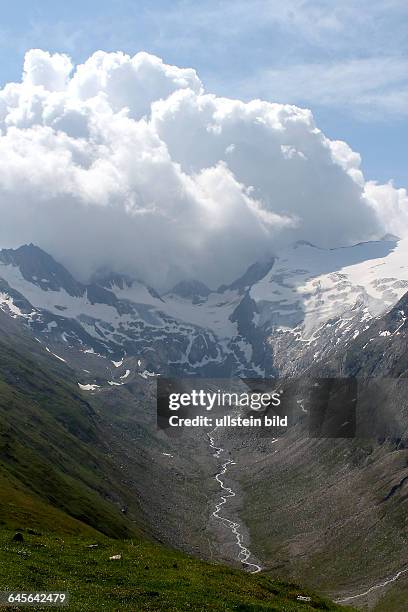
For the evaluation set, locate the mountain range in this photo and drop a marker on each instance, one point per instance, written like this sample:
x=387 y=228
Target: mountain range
x=279 y=317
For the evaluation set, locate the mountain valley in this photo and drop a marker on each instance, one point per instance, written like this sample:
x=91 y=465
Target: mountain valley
x=313 y=511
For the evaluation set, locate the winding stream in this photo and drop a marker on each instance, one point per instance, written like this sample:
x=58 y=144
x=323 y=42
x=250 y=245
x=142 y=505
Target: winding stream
x=244 y=552
x=380 y=585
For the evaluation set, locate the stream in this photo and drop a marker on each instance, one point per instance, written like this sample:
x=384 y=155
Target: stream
x=380 y=585
x=227 y=492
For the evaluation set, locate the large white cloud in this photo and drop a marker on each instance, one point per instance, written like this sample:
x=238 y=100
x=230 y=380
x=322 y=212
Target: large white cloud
x=390 y=205
x=126 y=162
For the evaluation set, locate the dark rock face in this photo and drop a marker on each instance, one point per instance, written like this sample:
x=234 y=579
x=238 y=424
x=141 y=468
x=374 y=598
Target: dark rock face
x=18 y=300
x=255 y=272
x=254 y=335
x=191 y=289
x=100 y=295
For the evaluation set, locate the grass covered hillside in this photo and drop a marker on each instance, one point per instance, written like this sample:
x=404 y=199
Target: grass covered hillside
x=52 y=455
x=147 y=577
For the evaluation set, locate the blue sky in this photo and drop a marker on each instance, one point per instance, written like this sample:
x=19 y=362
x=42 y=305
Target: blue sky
x=345 y=60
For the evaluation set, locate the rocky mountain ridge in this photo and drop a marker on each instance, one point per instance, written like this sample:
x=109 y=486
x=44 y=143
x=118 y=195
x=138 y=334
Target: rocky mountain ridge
x=280 y=316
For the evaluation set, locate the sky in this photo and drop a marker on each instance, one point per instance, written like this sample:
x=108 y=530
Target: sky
x=189 y=140
x=347 y=60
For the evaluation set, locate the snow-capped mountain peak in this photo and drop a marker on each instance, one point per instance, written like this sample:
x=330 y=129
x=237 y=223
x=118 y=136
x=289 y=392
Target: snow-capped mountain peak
x=39 y=268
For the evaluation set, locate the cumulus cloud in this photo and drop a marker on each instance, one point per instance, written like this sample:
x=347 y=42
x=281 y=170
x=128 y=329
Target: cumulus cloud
x=390 y=205
x=126 y=162
x=49 y=71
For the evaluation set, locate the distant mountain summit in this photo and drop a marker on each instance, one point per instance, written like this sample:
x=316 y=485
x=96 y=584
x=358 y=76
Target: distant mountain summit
x=39 y=268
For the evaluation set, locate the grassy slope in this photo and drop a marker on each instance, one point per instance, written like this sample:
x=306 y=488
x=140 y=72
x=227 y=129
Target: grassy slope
x=50 y=446
x=148 y=577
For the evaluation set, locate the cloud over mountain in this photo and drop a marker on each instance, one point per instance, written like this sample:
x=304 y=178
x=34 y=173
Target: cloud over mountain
x=126 y=162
